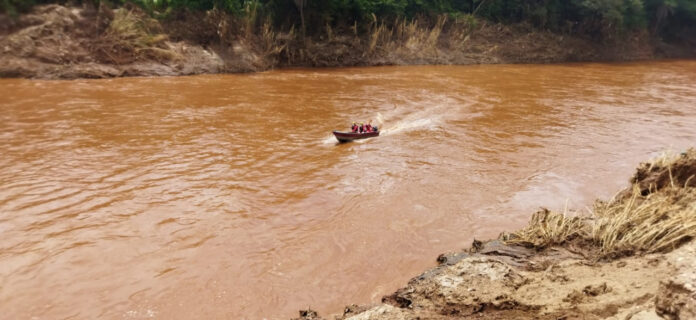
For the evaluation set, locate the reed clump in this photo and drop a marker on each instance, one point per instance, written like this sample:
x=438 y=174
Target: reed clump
x=657 y=214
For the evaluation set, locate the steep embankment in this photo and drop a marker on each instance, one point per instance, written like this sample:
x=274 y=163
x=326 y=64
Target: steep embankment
x=59 y=42
x=633 y=258
x=54 y=41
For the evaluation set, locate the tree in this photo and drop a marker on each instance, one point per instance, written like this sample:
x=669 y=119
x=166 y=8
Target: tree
x=300 y=6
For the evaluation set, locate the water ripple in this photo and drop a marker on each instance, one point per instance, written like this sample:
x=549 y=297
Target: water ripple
x=174 y=196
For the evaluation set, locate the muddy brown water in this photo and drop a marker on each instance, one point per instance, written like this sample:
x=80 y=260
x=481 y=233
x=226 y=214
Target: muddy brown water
x=226 y=197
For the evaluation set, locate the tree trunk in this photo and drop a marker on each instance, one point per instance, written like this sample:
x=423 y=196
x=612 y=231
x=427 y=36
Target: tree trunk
x=479 y=7
x=300 y=6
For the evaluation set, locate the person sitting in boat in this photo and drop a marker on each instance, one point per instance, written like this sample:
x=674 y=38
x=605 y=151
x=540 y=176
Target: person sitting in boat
x=362 y=128
x=368 y=127
x=354 y=127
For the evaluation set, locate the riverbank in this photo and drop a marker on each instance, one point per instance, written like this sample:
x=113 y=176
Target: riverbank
x=59 y=42
x=633 y=258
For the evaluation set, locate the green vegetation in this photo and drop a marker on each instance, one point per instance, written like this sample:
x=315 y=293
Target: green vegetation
x=670 y=19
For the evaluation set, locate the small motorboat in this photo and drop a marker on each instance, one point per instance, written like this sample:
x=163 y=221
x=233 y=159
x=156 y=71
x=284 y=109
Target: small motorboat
x=350 y=136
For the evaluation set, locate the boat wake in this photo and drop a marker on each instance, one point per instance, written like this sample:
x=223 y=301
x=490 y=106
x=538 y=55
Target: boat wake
x=428 y=124
x=330 y=139
x=412 y=115
x=427 y=117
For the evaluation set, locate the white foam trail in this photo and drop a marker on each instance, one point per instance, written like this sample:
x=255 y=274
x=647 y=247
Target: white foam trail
x=329 y=140
x=409 y=125
x=379 y=120
x=426 y=117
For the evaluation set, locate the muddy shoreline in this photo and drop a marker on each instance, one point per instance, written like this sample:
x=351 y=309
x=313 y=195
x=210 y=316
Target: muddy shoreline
x=565 y=266
x=58 y=42
x=511 y=282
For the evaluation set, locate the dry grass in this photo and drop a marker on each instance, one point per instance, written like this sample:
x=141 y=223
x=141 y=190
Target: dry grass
x=131 y=35
x=668 y=169
x=434 y=34
x=659 y=221
x=135 y=30
x=407 y=35
x=249 y=18
x=329 y=33
x=272 y=44
x=548 y=228
x=379 y=34
x=665 y=159
x=635 y=223
x=460 y=31
x=401 y=41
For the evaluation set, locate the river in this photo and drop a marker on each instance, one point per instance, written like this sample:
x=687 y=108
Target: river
x=226 y=197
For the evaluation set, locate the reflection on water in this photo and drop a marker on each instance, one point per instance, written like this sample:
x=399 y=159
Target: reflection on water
x=227 y=197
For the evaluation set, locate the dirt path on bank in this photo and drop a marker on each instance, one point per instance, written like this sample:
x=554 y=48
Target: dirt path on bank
x=54 y=41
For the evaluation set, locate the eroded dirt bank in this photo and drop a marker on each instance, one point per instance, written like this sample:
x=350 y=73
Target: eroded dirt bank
x=633 y=258
x=54 y=41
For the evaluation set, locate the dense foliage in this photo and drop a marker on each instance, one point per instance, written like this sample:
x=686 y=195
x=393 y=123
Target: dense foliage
x=594 y=18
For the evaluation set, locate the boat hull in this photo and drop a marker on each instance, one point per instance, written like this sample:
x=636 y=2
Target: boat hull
x=350 y=136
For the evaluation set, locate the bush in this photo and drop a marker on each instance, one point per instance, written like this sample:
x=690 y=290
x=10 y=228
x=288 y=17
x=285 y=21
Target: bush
x=598 y=19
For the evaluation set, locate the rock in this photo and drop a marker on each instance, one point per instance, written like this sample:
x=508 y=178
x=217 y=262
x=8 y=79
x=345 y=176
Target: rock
x=675 y=301
x=644 y=315
x=676 y=296
x=383 y=312
x=308 y=314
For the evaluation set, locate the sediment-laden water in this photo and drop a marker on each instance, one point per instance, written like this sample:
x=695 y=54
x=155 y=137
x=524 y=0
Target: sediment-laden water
x=226 y=196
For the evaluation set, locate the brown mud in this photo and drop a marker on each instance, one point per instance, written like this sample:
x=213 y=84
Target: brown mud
x=54 y=41
x=567 y=280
